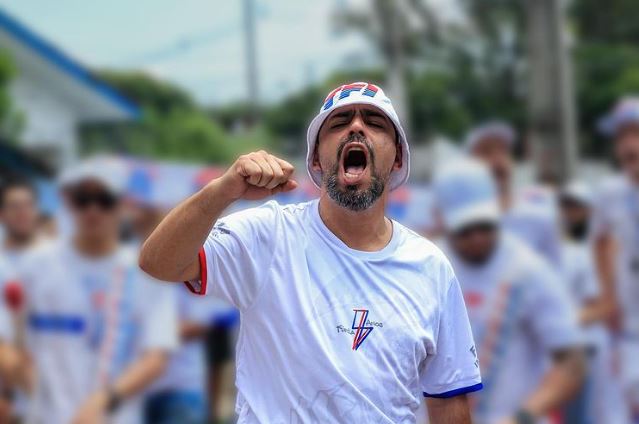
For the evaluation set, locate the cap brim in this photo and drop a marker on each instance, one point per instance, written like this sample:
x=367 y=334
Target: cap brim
x=478 y=213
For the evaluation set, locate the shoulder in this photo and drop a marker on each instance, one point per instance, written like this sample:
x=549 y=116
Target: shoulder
x=43 y=252
x=612 y=187
x=7 y=271
x=537 y=201
x=431 y=261
x=527 y=267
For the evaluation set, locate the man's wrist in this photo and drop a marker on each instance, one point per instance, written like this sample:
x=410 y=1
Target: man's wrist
x=113 y=400
x=525 y=417
x=214 y=194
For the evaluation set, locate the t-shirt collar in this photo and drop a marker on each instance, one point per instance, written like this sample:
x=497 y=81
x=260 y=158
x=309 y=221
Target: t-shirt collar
x=327 y=234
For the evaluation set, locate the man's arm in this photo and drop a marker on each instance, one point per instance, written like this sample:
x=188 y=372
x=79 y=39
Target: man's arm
x=170 y=253
x=453 y=410
x=559 y=385
x=605 y=251
x=135 y=378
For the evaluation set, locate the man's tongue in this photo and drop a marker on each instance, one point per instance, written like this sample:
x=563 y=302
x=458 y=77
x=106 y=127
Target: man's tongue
x=354 y=163
x=354 y=170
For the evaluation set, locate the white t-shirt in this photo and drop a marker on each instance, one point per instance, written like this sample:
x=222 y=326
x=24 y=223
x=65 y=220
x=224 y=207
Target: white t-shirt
x=616 y=213
x=333 y=334
x=186 y=370
x=87 y=320
x=604 y=397
x=519 y=315
x=534 y=218
x=7 y=274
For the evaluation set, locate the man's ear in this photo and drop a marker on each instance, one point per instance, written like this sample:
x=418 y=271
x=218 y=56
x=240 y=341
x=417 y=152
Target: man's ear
x=315 y=163
x=399 y=155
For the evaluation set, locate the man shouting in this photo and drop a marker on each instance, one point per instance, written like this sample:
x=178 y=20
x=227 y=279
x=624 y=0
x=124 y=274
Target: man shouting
x=346 y=315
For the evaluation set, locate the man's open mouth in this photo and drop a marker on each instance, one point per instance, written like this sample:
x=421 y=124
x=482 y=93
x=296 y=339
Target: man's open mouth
x=354 y=162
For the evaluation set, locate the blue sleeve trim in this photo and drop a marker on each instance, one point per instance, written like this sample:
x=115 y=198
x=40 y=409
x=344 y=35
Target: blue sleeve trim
x=456 y=392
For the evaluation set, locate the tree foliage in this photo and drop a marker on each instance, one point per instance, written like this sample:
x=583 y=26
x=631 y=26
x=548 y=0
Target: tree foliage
x=171 y=127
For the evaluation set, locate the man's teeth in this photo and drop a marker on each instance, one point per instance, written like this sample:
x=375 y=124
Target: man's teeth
x=354 y=170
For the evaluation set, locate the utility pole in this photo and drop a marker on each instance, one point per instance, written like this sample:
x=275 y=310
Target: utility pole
x=551 y=93
x=389 y=16
x=252 y=83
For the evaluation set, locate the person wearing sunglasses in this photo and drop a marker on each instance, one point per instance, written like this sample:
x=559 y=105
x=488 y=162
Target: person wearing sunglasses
x=615 y=235
x=520 y=318
x=98 y=330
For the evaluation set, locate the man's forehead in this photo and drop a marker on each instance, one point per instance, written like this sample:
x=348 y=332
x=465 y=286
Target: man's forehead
x=493 y=142
x=90 y=184
x=351 y=109
x=630 y=130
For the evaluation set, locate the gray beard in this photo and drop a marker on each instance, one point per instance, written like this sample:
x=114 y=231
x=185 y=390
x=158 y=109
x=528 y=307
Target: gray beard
x=350 y=197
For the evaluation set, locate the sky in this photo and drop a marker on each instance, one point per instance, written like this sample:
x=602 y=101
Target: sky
x=199 y=44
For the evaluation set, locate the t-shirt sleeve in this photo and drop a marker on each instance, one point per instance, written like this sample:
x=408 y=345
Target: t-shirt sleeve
x=601 y=219
x=453 y=368
x=236 y=255
x=11 y=289
x=158 y=316
x=550 y=313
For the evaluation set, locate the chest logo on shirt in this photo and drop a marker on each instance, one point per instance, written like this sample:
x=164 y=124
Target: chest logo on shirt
x=361 y=327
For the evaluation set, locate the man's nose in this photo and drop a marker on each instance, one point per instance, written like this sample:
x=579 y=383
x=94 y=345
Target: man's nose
x=357 y=125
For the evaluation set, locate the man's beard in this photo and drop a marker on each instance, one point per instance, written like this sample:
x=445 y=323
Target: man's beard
x=350 y=197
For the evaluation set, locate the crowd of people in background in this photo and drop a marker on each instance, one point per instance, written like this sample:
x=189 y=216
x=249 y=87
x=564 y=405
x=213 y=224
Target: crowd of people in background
x=550 y=277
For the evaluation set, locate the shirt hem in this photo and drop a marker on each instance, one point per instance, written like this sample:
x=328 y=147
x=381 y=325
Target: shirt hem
x=193 y=288
x=455 y=392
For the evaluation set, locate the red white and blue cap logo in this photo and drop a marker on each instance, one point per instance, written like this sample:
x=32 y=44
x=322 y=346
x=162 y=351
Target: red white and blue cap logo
x=358 y=93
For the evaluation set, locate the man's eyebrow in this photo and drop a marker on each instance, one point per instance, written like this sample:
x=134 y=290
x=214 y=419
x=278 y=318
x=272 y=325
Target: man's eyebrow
x=373 y=113
x=342 y=114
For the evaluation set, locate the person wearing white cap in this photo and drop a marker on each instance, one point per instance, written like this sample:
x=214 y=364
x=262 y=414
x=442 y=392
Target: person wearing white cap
x=519 y=316
x=346 y=315
x=98 y=330
x=601 y=400
x=530 y=213
x=615 y=232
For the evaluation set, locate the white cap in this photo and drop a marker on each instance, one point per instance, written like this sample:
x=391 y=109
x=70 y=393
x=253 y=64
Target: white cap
x=465 y=193
x=578 y=191
x=625 y=112
x=358 y=93
x=107 y=171
x=493 y=129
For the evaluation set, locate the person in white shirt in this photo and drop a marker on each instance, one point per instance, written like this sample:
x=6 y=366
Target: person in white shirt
x=10 y=359
x=531 y=212
x=519 y=316
x=19 y=215
x=601 y=398
x=99 y=331
x=615 y=232
x=345 y=315
x=179 y=395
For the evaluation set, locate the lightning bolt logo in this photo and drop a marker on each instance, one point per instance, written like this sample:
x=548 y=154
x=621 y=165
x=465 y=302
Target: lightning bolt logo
x=361 y=331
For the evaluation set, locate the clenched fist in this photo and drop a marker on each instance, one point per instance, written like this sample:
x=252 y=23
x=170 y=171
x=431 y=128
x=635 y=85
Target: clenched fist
x=258 y=175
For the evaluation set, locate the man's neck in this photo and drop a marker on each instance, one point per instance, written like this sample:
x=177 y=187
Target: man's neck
x=367 y=230
x=505 y=198
x=95 y=247
x=19 y=243
x=633 y=178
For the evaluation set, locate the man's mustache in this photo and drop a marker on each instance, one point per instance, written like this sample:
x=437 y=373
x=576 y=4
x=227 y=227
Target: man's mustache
x=359 y=139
